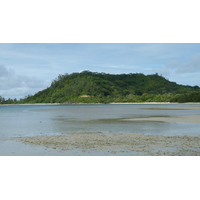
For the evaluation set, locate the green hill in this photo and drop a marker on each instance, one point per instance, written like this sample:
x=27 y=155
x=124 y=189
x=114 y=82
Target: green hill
x=92 y=87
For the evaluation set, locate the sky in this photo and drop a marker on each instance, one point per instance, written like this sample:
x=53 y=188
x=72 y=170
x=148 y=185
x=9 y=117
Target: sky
x=26 y=68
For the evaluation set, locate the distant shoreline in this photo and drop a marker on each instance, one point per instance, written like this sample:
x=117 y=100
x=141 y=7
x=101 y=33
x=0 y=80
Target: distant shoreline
x=159 y=103
x=113 y=103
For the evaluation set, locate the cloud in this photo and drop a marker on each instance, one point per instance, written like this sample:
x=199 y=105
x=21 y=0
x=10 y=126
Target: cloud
x=5 y=72
x=185 y=71
x=13 y=85
x=192 y=65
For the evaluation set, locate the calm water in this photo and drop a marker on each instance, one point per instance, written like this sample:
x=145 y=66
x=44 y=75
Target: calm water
x=31 y=120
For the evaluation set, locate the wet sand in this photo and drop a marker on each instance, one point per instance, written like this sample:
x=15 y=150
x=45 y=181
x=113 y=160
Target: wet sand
x=170 y=119
x=152 y=145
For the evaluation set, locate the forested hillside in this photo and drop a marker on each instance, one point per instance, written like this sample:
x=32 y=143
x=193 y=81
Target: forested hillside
x=92 y=87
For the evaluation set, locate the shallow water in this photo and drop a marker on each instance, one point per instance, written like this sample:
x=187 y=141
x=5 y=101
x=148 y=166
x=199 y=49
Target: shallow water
x=32 y=120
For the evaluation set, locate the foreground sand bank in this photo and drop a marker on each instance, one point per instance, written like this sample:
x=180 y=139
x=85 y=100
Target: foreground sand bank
x=145 y=144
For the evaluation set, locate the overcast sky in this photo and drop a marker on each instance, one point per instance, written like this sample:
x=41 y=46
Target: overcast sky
x=27 y=68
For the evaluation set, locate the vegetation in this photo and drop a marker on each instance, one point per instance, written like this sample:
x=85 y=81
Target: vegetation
x=106 y=88
x=1 y=99
x=8 y=101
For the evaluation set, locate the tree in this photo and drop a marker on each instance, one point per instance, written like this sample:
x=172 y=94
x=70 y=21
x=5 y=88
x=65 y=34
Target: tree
x=1 y=99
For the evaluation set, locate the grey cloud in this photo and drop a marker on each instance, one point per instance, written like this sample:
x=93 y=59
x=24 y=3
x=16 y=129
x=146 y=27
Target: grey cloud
x=173 y=64
x=191 y=66
x=5 y=72
x=13 y=85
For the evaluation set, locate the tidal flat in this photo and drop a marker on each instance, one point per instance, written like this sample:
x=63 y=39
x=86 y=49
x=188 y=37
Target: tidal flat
x=100 y=130
x=151 y=145
x=169 y=119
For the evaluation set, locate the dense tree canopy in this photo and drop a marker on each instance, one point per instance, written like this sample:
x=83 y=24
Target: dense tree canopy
x=105 y=88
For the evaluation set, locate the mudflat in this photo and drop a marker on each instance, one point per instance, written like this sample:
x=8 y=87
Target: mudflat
x=152 y=145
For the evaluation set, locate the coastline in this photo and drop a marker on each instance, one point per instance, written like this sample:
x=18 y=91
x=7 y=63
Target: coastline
x=113 y=103
x=167 y=103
